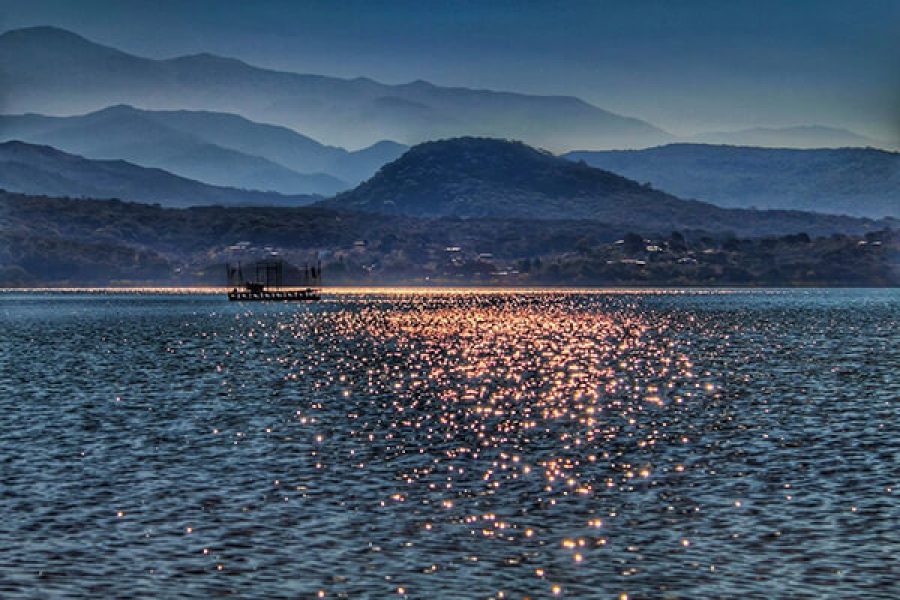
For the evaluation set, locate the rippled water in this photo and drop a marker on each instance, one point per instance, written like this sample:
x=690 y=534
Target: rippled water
x=674 y=445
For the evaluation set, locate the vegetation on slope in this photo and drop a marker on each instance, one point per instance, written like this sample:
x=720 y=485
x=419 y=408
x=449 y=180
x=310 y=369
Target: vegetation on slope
x=99 y=242
x=479 y=177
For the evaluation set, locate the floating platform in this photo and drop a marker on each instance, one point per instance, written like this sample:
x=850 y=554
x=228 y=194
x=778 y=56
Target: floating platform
x=256 y=295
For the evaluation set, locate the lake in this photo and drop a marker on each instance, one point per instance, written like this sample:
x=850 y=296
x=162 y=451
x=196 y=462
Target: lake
x=593 y=444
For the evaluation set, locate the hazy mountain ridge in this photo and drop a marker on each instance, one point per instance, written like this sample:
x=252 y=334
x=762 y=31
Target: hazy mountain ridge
x=855 y=181
x=54 y=71
x=479 y=177
x=216 y=148
x=797 y=136
x=34 y=169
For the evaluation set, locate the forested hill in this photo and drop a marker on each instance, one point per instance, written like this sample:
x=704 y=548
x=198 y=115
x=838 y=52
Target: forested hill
x=481 y=177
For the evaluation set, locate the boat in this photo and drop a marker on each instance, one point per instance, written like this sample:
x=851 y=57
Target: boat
x=268 y=283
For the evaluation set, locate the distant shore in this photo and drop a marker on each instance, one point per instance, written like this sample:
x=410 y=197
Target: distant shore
x=433 y=289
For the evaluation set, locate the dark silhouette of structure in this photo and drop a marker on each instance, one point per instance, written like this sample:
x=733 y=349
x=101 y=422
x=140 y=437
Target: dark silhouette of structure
x=268 y=282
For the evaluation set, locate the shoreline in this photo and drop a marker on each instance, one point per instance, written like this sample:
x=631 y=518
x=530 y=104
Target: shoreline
x=437 y=289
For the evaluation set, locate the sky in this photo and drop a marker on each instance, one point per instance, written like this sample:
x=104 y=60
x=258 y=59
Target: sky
x=687 y=66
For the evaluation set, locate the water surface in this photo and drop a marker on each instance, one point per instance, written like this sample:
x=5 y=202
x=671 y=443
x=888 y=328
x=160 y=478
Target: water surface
x=451 y=445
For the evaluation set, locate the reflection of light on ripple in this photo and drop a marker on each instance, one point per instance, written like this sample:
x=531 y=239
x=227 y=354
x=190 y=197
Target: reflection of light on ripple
x=561 y=405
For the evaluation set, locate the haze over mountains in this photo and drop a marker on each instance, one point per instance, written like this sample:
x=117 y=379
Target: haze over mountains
x=231 y=151
x=53 y=71
x=856 y=181
x=801 y=136
x=43 y=170
x=216 y=148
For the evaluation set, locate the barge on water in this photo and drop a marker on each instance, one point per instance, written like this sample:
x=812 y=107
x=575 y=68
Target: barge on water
x=268 y=283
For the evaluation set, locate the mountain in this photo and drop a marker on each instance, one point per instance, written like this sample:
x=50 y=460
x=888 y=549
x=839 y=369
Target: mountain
x=802 y=136
x=862 y=182
x=54 y=71
x=479 y=177
x=216 y=148
x=32 y=169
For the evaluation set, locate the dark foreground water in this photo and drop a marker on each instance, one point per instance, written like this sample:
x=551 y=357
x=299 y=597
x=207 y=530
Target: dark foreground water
x=654 y=445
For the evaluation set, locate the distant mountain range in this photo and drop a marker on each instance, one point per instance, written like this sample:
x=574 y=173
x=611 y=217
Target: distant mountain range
x=854 y=181
x=483 y=177
x=33 y=169
x=54 y=71
x=216 y=148
x=803 y=136
x=479 y=177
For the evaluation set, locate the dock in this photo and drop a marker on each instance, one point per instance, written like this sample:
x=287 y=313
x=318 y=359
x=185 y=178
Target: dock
x=247 y=295
x=268 y=283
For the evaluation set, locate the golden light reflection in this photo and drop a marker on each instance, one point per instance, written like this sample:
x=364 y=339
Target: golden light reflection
x=560 y=404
